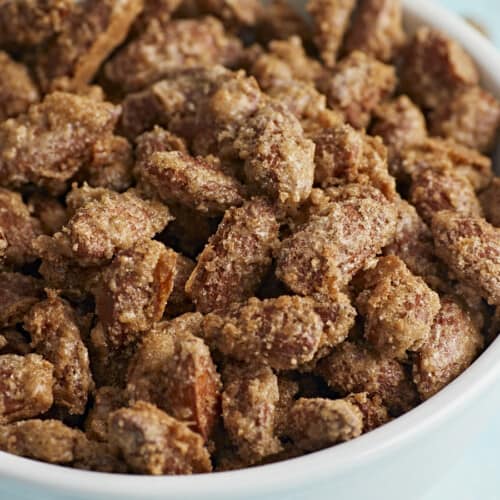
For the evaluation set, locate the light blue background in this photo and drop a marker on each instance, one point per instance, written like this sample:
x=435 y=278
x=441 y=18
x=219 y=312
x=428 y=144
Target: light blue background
x=477 y=474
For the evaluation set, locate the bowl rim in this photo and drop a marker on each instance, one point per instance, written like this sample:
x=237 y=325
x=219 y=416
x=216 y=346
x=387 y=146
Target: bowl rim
x=328 y=462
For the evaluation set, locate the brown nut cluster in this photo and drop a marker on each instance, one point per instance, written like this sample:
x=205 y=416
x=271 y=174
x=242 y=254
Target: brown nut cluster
x=229 y=236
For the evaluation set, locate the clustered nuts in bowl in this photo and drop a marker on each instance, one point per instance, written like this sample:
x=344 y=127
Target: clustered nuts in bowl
x=233 y=236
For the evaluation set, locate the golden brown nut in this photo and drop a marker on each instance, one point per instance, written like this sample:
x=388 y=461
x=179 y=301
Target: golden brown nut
x=338 y=317
x=110 y=165
x=54 y=442
x=490 y=201
x=470 y=117
x=154 y=141
x=181 y=43
x=278 y=157
x=315 y=423
x=453 y=345
x=434 y=66
x=439 y=154
x=55 y=334
x=47 y=440
x=286 y=60
x=17 y=90
x=413 y=244
x=376 y=29
x=434 y=189
x=206 y=106
x=152 y=442
x=144 y=379
x=93 y=29
x=18 y=229
x=355 y=368
x=330 y=20
x=470 y=247
x=283 y=333
x=25 y=386
x=30 y=22
x=249 y=410
x=62 y=273
x=307 y=104
x=99 y=457
x=399 y=123
x=399 y=308
x=326 y=252
x=106 y=400
x=17 y=294
x=357 y=86
x=373 y=409
x=107 y=223
x=192 y=384
x=344 y=155
x=51 y=142
x=132 y=292
x=193 y=182
x=236 y=259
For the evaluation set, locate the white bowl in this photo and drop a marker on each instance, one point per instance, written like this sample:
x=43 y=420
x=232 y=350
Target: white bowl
x=400 y=460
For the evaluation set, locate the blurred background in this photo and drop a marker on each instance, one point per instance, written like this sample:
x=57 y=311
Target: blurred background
x=484 y=12
x=476 y=475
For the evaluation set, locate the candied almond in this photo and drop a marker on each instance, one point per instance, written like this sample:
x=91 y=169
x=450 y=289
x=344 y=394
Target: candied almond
x=192 y=182
x=470 y=247
x=284 y=332
x=400 y=123
x=25 y=386
x=108 y=222
x=325 y=253
x=51 y=142
x=249 y=406
x=344 y=155
x=453 y=345
x=354 y=367
x=133 y=290
x=236 y=258
x=376 y=29
x=330 y=22
x=31 y=22
x=153 y=442
x=151 y=356
x=357 y=85
x=92 y=30
x=470 y=117
x=398 y=307
x=181 y=43
x=55 y=334
x=315 y=423
x=433 y=66
x=18 y=228
x=434 y=189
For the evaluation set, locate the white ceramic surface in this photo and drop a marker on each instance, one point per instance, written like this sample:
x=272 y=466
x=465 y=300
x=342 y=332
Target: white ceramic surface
x=398 y=461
